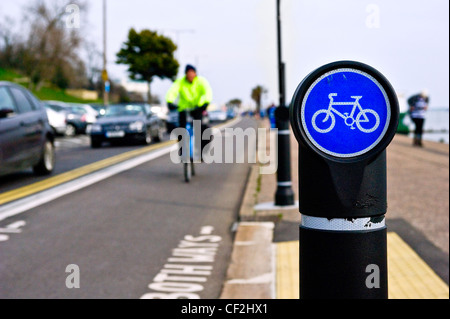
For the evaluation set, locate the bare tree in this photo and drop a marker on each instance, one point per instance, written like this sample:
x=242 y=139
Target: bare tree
x=9 y=40
x=93 y=63
x=51 y=48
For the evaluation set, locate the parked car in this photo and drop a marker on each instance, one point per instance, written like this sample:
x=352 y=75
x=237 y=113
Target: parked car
x=162 y=111
x=91 y=113
x=231 y=114
x=127 y=122
x=217 y=116
x=78 y=116
x=172 y=120
x=26 y=137
x=57 y=120
x=100 y=108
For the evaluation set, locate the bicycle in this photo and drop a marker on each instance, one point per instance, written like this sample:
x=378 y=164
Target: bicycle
x=189 y=144
x=349 y=120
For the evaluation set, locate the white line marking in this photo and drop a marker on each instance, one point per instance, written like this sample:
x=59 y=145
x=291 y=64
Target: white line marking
x=17 y=224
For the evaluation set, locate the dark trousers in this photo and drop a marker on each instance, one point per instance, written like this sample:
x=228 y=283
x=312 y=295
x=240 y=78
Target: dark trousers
x=418 y=122
x=182 y=119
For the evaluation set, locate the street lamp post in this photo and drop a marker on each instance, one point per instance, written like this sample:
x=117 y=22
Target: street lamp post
x=284 y=195
x=106 y=84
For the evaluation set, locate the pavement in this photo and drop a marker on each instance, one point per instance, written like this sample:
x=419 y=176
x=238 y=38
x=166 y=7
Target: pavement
x=265 y=257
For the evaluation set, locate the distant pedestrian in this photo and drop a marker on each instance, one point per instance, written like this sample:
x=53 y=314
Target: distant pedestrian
x=418 y=105
x=271 y=115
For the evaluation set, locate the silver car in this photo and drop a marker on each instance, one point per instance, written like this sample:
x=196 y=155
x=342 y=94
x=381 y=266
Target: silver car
x=57 y=121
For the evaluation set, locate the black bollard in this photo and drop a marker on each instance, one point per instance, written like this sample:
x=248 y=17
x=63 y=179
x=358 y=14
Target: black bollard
x=344 y=115
x=284 y=195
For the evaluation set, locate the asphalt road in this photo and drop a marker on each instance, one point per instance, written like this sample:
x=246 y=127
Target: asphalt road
x=143 y=233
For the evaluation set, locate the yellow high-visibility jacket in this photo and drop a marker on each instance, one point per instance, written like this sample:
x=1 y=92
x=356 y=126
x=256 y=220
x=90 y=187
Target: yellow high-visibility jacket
x=191 y=95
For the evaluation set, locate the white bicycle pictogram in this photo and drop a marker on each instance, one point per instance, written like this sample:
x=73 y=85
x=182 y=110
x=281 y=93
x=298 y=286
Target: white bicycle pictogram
x=349 y=120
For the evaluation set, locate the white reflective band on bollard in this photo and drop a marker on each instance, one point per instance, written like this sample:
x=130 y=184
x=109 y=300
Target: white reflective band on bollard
x=285 y=184
x=343 y=224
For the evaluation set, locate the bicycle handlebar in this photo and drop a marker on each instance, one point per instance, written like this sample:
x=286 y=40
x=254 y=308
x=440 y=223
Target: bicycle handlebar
x=356 y=97
x=330 y=96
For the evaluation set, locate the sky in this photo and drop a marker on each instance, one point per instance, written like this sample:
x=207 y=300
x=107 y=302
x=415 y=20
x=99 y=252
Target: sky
x=233 y=43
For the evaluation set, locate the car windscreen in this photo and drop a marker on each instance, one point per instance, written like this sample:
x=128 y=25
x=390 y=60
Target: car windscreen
x=124 y=110
x=56 y=107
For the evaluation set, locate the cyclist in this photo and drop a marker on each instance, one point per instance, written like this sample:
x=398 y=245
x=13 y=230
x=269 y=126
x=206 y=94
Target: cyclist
x=194 y=94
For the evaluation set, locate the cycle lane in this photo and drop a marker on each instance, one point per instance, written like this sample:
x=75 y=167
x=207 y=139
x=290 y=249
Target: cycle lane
x=120 y=232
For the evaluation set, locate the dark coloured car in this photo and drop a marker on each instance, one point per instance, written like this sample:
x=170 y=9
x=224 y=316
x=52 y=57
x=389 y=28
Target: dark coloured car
x=172 y=120
x=217 y=116
x=26 y=137
x=129 y=123
x=100 y=108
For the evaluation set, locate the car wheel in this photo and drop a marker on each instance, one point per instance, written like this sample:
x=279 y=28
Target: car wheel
x=187 y=172
x=96 y=143
x=147 y=137
x=71 y=130
x=160 y=134
x=47 y=161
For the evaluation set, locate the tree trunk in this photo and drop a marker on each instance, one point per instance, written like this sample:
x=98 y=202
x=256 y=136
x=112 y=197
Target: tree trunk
x=258 y=105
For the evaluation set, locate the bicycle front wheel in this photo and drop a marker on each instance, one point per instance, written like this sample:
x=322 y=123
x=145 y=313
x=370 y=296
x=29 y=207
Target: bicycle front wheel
x=187 y=172
x=192 y=169
x=371 y=121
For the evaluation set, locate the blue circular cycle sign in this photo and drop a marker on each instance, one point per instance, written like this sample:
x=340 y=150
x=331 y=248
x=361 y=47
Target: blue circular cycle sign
x=345 y=112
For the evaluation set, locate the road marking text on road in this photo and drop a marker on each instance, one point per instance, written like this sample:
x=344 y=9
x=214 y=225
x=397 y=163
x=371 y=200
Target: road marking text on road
x=187 y=268
x=13 y=228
